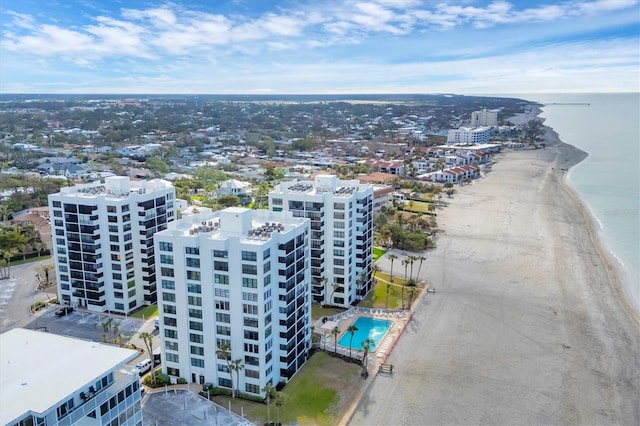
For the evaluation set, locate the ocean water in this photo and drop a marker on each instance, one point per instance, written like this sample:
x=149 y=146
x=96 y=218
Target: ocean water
x=608 y=180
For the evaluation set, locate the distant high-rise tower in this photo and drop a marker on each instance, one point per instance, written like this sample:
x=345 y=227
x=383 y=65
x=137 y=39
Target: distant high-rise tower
x=197 y=101
x=103 y=241
x=341 y=213
x=484 y=118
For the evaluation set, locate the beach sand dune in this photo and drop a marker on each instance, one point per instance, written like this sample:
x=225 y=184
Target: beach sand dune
x=529 y=324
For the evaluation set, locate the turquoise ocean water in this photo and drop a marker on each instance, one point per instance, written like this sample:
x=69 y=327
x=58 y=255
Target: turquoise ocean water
x=608 y=180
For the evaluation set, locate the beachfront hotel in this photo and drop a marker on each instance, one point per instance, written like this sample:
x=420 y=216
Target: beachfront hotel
x=46 y=379
x=238 y=278
x=341 y=214
x=469 y=135
x=102 y=237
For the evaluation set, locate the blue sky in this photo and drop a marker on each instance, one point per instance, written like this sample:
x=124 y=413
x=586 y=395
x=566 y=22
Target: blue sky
x=319 y=46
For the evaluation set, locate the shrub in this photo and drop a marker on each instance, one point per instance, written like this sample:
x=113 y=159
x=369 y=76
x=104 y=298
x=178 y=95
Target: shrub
x=181 y=381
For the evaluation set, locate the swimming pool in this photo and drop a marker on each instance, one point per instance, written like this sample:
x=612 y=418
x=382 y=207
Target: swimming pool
x=367 y=327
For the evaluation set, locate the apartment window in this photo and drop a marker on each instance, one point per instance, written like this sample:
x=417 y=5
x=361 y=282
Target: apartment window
x=338 y=225
x=196 y=338
x=338 y=215
x=220 y=253
x=171 y=322
x=195 y=313
x=267 y=280
x=166 y=259
x=338 y=271
x=338 y=252
x=267 y=267
x=222 y=305
x=113 y=228
x=276 y=201
x=195 y=325
x=114 y=238
x=251 y=360
x=171 y=357
x=111 y=209
x=221 y=279
x=251 y=347
x=165 y=246
x=250 y=322
x=169 y=309
x=168 y=297
x=132 y=293
x=194 y=288
x=125 y=208
x=223 y=368
x=338 y=234
x=57 y=204
x=223 y=330
x=193 y=262
x=197 y=362
x=338 y=262
x=266 y=254
x=172 y=346
x=118 y=295
x=255 y=389
x=249 y=256
x=249 y=297
x=194 y=300
x=253 y=374
x=192 y=250
x=193 y=275
x=249 y=282
x=113 y=219
x=168 y=284
x=220 y=266
x=250 y=309
x=220 y=317
x=166 y=272
x=119 y=306
x=222 y=292
x=338 y=206
x=249 y=269
x=170 y=333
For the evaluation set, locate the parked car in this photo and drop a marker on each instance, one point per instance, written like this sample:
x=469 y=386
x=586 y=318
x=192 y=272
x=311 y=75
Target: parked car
x=143 y=367
x=64 y=311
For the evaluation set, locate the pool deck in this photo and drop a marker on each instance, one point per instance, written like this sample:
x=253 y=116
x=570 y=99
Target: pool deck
x=345 y=319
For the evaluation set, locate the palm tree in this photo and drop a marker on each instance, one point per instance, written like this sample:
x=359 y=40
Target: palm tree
x=352 y=330
x=422 y=259
x=147 y=339
x=392 y=257
x=335 y=287
x=336 y=331
x=237 y=366
x=224 y=352
x=366 y=347
x=268 y=389
x=386 y=300
x=281 y=398
x=38 y=247
x=412 y=293
x=405 y=262
x=411 y=260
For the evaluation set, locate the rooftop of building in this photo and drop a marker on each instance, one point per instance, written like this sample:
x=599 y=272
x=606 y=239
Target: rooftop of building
x=40 y=369
x=252 y=225
x=116 y=186
x=322 y=184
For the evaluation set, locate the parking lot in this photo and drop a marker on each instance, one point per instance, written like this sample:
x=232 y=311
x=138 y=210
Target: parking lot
x=86 y=325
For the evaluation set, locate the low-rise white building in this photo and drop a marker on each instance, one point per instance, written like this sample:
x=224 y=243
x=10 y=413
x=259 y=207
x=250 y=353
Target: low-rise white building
x=469 y=135
x=46 y=379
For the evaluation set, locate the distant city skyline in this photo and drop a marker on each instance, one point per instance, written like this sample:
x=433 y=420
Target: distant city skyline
x=326 y=47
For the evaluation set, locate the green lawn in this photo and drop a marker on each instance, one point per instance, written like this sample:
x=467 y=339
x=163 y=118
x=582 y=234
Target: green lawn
x=318 y=311
x=147 y=312
x=377 y=297
x=378 y=252
x=318 y=394
x=417 y=207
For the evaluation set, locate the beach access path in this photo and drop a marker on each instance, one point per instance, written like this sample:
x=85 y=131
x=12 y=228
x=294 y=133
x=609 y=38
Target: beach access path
x=529 y=324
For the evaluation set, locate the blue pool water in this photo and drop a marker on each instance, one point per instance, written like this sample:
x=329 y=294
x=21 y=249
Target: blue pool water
x=367 y=327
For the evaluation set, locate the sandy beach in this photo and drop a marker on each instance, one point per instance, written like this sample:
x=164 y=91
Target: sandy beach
x=529 y=324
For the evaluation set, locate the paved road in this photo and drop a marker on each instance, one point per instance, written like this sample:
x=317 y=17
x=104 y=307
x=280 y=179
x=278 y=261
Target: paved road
x=18 y=294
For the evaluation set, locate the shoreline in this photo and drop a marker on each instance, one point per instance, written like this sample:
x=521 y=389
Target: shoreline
x=623 y=278
x=530 y=324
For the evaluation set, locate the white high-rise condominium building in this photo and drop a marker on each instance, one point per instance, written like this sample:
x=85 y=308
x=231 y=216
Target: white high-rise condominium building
x=484 y=118
x=236 y=279
x=102 y=237
x=341 y=213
